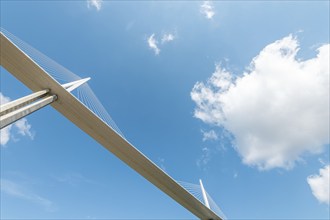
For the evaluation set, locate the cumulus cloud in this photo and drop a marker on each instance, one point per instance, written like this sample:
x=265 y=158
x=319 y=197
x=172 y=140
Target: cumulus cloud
x=22 y=126
x=277 y=111
x=152 y=42
x=207 y=9
x=97 y=4
x=209 y=135
x=320 y=184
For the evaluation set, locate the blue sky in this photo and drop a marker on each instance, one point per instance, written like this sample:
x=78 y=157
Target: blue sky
x=210 y=90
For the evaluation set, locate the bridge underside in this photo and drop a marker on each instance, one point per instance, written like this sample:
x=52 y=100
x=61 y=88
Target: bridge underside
x=35 y=78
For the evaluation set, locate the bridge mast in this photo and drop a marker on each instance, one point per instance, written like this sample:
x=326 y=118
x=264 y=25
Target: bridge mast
x=206 y=201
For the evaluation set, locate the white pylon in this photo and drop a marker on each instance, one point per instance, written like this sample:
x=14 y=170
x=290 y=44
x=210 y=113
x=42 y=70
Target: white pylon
x=75 y=84
x=206 y=201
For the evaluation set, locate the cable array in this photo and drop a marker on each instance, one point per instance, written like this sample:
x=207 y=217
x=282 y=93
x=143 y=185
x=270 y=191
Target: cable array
x=87 y=96
x=193 y=189
x=55 y=70
x=196 y=191
x=62 y=75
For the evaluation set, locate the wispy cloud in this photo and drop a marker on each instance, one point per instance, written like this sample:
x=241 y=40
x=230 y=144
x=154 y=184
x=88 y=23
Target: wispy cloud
x=22 y=126
x=320 y=185
x=153 y=44
x=97 y=4
x=205 y=158
x=167 y=38
x=209 y=135
x=73 y=179
x=207 y=9
x=277 y=111
x=14 y=189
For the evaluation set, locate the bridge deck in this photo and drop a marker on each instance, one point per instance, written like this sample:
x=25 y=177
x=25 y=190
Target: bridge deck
x=35 y=78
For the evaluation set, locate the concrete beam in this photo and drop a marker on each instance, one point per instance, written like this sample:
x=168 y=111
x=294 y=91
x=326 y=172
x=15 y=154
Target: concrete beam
x=16 y=115
x=18 y=103
x=34 y=77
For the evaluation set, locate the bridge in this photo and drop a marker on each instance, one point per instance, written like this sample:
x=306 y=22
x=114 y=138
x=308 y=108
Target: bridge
x=48 y=91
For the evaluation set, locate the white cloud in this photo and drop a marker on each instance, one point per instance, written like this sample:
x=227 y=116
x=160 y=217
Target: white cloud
x=5 y=135
x=14 y=189
x=320 y=184
x=5 y=132
x=95 y=3
x=23 y=127
x=167 y=38
x=277 y=111
x=152 y=42
x=207 y=9
x=209 y=135
x=3 y=99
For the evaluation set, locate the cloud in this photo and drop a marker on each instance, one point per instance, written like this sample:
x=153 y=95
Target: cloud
x=209 y=135
x=4 y=99
x=207 y=9
x=320 y=184
x=14 y=189
x=152 y=42
x=277 y=111
x=5 y=132
x=167 y=38
x=95 y=3
x=22 y=126
x=5 y=135
x=205 y=158
x=73 y=179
